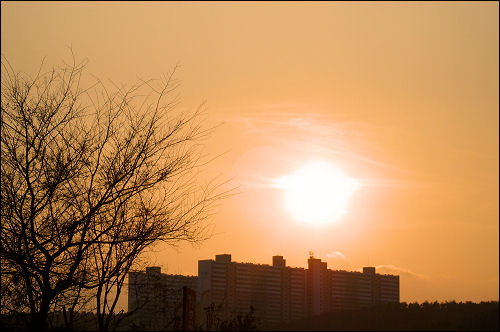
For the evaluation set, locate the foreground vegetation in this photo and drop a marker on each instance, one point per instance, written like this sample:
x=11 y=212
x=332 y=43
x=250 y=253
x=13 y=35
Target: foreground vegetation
x=468 y=316
x=93 y=176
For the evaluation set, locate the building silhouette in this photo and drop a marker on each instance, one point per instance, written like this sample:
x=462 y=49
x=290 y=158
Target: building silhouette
x=279 y=293
x=155 y=299
x=274 y=293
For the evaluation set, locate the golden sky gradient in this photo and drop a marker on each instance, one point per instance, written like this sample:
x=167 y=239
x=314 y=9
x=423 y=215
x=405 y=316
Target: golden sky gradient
x=400 y=96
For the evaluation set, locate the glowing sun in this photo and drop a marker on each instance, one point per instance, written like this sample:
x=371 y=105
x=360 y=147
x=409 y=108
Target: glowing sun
x=317 y=193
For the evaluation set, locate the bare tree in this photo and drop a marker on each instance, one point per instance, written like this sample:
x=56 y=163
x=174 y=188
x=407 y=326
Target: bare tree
x=90 y=179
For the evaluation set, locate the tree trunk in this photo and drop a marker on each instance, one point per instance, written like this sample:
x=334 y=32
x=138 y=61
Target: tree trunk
x=39 y=319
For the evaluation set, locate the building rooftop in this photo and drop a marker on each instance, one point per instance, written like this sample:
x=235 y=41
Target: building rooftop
x=226 y=258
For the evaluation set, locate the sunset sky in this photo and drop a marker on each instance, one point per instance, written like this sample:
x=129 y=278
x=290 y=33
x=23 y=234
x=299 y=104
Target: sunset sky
x=402 y=98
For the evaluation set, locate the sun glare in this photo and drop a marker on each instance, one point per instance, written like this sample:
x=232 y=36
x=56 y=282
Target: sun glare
x=317 y=193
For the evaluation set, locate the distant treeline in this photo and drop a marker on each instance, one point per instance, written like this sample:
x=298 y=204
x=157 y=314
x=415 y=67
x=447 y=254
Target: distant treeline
x=466 y=316
x=403 y=316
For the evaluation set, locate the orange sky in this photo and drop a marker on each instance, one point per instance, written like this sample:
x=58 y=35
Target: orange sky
x=402 y=96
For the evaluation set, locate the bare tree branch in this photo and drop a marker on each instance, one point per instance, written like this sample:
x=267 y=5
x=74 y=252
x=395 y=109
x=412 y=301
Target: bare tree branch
x=91 y=178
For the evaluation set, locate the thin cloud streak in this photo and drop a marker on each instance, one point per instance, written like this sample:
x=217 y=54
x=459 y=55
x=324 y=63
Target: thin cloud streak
x=335 y=254
x=297 y=133
x=401 y=271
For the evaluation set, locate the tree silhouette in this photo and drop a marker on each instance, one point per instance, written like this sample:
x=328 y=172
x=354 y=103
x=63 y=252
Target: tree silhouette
x=90 y=179
x=468 y=316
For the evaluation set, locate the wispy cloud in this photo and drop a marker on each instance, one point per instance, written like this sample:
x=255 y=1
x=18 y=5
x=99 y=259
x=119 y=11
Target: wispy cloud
x=287 y=136
x=335 y=254
x=297 y=130
x=400 y=271
x=335 y=128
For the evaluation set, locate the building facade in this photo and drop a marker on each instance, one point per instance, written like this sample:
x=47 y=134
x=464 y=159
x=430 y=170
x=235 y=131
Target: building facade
x=318 y=287
x=234 y=288
x=279 y=293
x=224 y=290
x=155 y=299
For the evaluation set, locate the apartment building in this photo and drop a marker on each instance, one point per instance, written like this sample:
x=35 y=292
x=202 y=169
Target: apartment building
x=319 y=286
x=155 y=299
x=279 y=293
x=276 y=292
